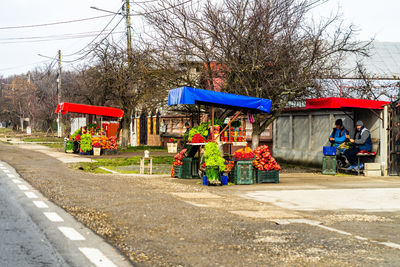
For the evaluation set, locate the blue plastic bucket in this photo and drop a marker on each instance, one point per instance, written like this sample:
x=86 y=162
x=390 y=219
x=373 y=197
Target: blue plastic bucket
x=205 y=181
x=224 y=180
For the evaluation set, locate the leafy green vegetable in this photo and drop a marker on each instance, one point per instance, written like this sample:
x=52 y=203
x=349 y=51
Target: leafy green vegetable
x=212 y=156
x=92 y=126
x=86 y=142
x=202 y=129
x=69 y=145
x=236 y=124
x=218 y=122
x=75 y=134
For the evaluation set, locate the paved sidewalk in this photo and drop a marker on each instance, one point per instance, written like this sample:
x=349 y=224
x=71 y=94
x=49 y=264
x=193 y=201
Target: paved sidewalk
x=61 y=156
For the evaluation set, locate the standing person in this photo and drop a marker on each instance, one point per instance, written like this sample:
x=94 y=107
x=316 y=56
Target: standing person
x=361 y=141
x=338 y=135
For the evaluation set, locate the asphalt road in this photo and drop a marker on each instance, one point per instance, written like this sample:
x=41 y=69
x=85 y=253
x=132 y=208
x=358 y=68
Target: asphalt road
x=35 y=232
x=23 y=243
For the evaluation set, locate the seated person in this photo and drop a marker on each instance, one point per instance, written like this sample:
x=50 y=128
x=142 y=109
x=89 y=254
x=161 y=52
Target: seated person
x=361 y=141
x=338 y=135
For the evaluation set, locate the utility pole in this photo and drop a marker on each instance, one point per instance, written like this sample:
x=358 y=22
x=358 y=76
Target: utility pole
x=59 y=93
x=128 y=30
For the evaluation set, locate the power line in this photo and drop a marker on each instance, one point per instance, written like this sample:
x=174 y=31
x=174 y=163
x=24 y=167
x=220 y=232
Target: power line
x=49 y=36
x=161 y=10
x=97 y=45
x=87 y=45
x=60 y=38
x=25 y=65
x=52 y=23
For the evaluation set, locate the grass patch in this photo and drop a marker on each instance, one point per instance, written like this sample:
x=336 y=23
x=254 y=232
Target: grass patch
x=92 y=167
x=5 y=130
x=113 y=168
x=55 y=145
x=44 y=139
x=113 y=163
x=134 y=160
x=143 y=148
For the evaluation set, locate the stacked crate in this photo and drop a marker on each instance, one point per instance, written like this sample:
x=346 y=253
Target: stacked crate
x=329 y=165
x=190 y=168
x=243 y=172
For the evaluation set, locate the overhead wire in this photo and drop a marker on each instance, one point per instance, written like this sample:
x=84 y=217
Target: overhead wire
x=49 y=36
x=60 y=38
x=25 y=65
x=100 y=33
x=52 y=23
x=97 y=45
x=161 y=10
x=87 y=45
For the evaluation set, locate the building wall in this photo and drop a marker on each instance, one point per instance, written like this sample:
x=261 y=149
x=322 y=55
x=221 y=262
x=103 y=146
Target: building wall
x=300 y=135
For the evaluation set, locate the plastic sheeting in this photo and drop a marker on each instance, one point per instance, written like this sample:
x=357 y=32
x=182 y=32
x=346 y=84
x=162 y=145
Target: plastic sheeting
x=88 y=109
x=337 y=103
x=191 y=96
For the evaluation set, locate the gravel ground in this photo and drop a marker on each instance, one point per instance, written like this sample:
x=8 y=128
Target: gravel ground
x=168 y=222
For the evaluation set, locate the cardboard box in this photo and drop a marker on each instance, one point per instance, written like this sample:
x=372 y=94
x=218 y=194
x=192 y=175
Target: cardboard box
x=372 y=166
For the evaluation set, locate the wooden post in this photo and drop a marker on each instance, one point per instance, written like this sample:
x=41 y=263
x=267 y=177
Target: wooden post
x=229 y=123
x=212 y=123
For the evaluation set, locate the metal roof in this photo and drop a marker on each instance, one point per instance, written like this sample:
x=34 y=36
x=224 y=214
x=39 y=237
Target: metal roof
x=383 y=62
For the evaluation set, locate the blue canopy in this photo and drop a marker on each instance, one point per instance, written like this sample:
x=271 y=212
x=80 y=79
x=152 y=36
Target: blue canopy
x=191 y=96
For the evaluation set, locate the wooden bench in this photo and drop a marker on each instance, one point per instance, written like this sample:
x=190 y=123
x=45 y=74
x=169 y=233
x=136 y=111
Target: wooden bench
x=364 y=156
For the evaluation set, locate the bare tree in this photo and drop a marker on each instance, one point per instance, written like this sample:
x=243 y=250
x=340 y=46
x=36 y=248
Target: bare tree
x=269 y=49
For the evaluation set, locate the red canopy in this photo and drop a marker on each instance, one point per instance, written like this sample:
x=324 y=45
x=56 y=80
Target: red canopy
x=337 y=102
x=88 y=109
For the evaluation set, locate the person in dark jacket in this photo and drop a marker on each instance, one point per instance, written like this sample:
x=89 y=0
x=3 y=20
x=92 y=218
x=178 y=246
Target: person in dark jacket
x=362 y=141
x=338 y=135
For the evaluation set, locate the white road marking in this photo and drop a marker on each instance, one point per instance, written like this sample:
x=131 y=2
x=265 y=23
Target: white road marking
x=333 y=230
x=360 y=238
x=16 y=181
x=318 y=224
x=40 y=204
x=97 y=257
x=390 y=244
x=31 y=195
x=53 y=216
x=10 y=175
x=288 y=221
x=71 y=233
x=23 y=187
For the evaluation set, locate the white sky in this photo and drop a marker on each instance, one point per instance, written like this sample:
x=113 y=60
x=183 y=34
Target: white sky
x=377 y=19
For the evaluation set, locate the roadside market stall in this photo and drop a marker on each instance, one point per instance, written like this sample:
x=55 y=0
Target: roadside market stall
x=95 y=137
x=213 y=135
x=300 y=134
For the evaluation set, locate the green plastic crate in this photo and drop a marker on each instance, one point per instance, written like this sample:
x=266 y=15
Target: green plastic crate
x=178 y=171
x=329 y=165
x=244 y=173
x=267 y=176
x=190 y=168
